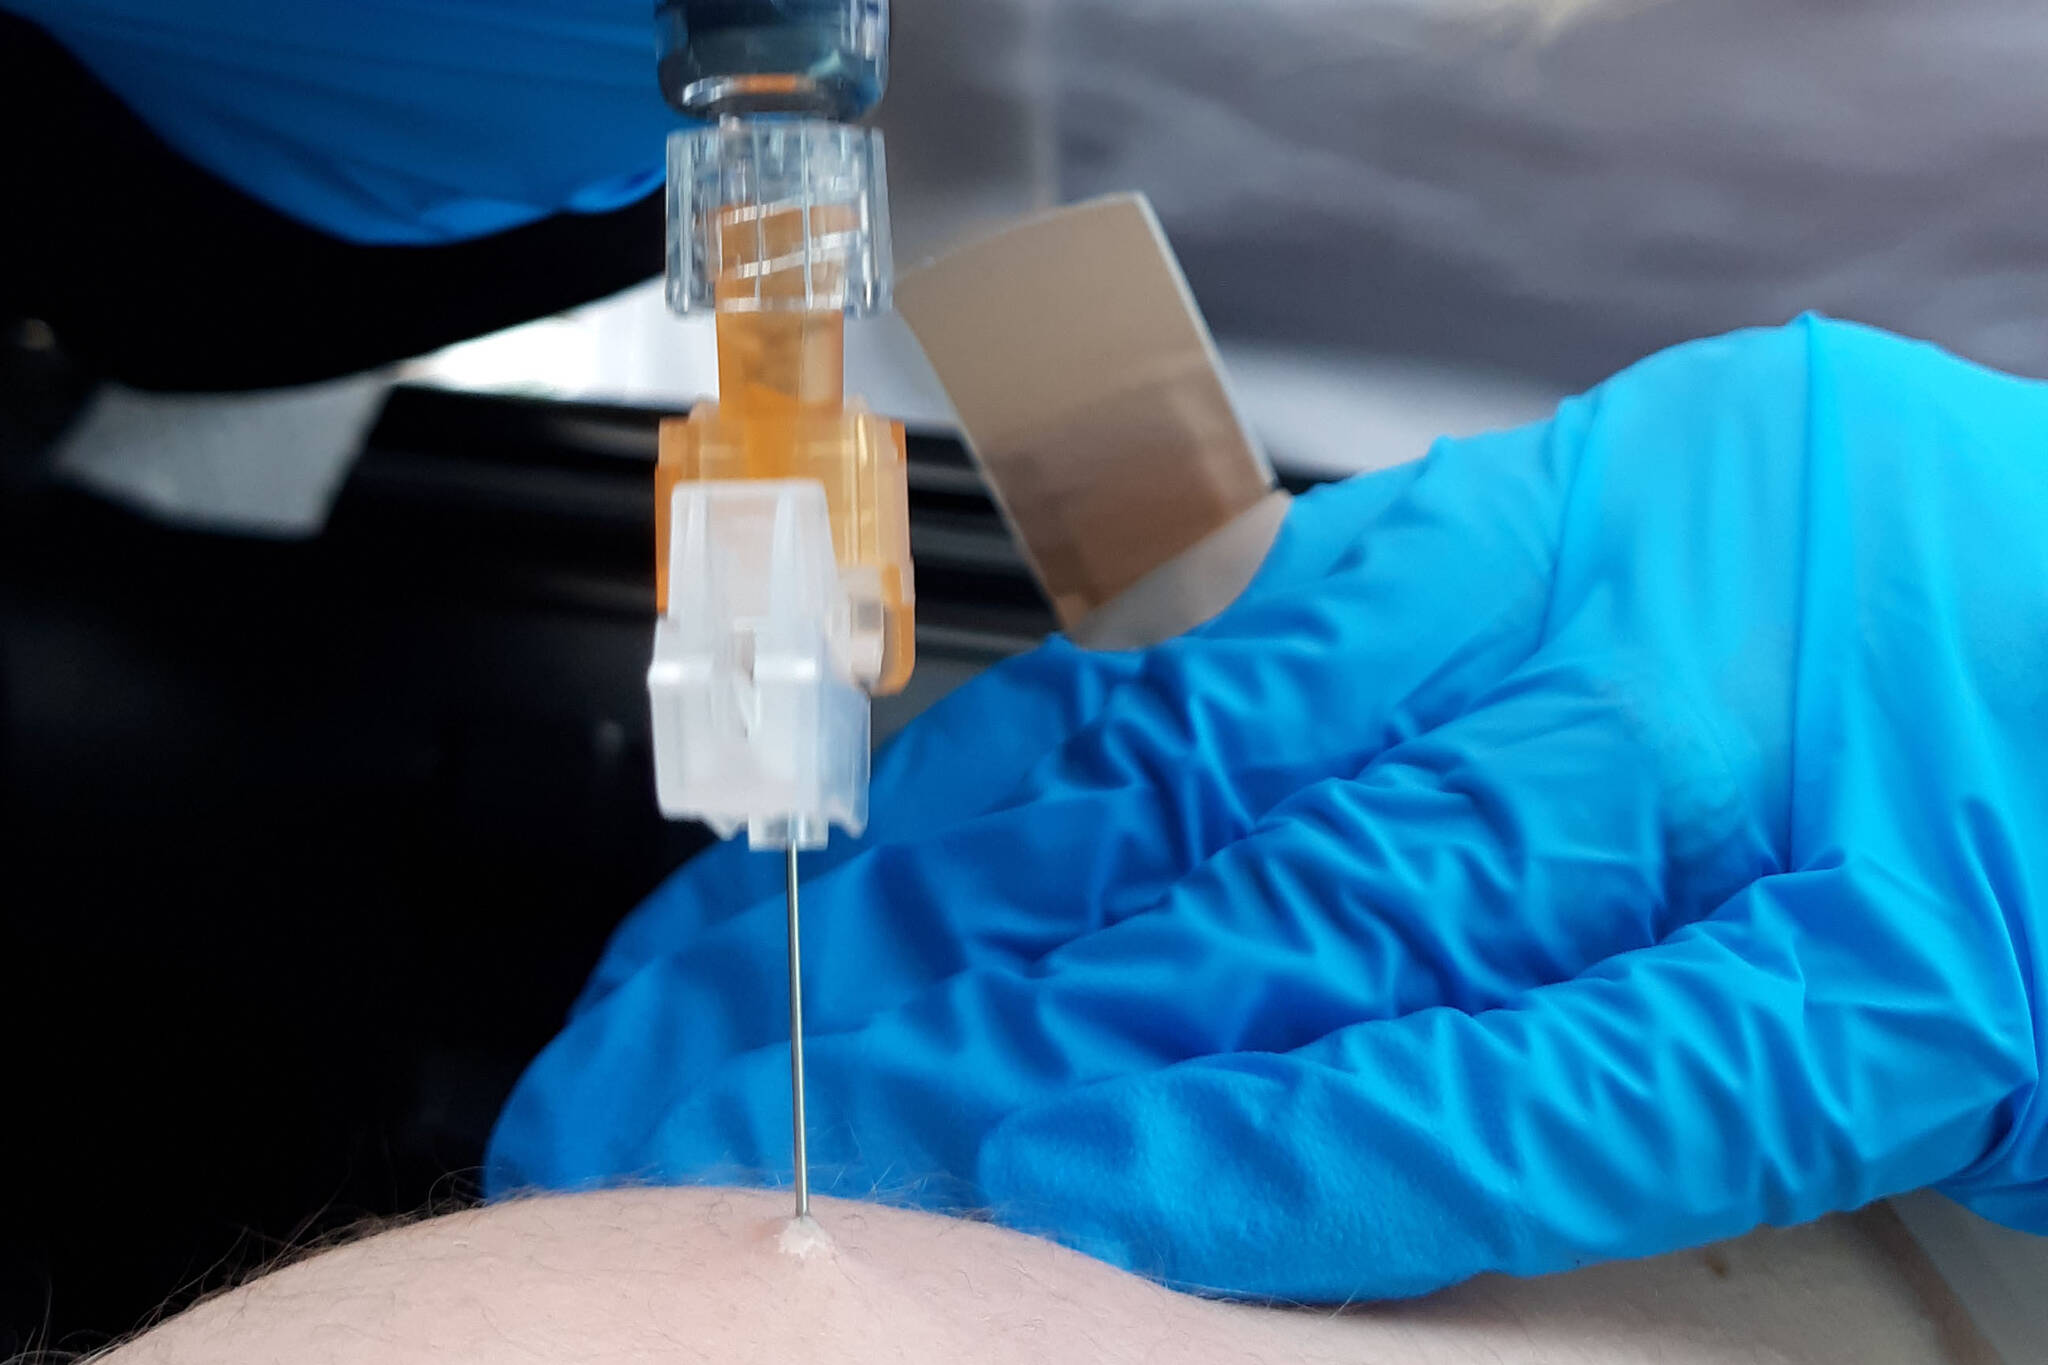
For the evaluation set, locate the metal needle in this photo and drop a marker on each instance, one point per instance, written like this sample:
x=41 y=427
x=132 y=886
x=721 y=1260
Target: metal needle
x=796 y=1042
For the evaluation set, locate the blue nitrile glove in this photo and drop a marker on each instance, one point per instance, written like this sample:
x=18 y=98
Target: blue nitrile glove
x=1596 y=840
x=390 y=121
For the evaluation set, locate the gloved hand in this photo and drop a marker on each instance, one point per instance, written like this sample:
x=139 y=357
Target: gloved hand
x=1595 y=840
x=390 y=121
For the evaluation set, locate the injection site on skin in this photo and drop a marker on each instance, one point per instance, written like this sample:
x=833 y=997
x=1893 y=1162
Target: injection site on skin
x=802 y=1238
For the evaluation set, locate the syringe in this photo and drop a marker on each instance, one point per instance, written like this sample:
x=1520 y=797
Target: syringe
x=782 y=525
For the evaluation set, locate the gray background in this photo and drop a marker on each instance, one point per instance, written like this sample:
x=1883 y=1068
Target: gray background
x=1430 y=179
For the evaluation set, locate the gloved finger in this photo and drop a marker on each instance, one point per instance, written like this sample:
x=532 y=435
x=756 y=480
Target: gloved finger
x=976 y=748
x=1793 y=1055
x=1515 y=846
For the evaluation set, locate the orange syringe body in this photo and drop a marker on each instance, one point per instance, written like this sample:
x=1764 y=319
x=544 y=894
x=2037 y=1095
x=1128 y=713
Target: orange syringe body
x=782 y=414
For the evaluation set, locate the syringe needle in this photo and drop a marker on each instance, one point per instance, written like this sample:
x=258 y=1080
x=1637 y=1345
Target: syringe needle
x=796 y=1041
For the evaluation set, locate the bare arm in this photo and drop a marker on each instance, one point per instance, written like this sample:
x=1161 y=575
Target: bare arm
x=696 y=1275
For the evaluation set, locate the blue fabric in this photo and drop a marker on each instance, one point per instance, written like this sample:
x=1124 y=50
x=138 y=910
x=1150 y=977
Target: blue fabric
x=390 y=121
x=1596 y=840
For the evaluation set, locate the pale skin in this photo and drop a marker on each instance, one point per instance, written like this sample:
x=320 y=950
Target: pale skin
x=700 y=1275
